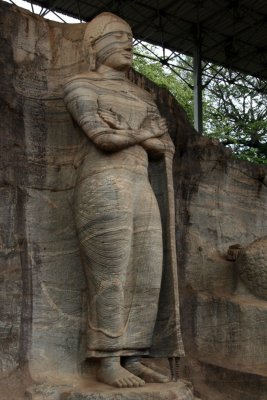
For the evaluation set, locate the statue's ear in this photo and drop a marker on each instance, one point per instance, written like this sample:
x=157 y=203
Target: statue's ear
x=89 y=53
x=91 y=56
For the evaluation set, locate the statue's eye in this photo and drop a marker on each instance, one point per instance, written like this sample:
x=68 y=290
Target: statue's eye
x=118 y=35
x=123 y=35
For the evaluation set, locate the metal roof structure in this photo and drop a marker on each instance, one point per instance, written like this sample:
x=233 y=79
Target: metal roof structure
x=229 y=33
x=232 y=33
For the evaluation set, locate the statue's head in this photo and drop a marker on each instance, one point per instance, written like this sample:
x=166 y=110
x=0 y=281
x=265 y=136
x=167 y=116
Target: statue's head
x=108 y=40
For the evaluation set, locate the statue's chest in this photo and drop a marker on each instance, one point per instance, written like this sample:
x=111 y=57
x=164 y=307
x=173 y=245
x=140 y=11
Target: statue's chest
x=125 y=101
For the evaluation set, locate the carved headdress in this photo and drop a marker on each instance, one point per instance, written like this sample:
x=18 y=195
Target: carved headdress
x=102 y=25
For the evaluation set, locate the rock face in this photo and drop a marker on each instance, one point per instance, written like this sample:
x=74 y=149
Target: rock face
x=42 y=281
x=219 y=202
x=222 y=202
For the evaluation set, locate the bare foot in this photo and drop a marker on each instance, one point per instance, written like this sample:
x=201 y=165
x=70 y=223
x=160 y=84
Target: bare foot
x=134 y=365
x=112 y=373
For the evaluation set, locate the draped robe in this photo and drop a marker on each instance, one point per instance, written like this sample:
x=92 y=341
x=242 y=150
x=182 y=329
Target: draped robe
x=118 y=222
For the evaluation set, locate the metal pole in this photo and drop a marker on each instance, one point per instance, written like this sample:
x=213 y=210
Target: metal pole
x=197 y=71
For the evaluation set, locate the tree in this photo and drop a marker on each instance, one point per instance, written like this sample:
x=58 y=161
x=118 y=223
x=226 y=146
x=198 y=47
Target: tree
x=237 y=113
x=162 y=75
x=234 y=105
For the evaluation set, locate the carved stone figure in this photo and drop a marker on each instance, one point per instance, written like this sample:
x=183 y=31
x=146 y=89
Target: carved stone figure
x=117 y=214
x=219 y=201
x=252 y=267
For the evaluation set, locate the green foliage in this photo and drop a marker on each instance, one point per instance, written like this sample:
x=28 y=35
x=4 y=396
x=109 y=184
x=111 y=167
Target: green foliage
x=237 y=115
x=165 y=78
x=234 y=105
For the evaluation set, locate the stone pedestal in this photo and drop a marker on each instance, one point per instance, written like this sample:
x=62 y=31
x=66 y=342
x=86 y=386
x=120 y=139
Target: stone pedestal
x=92 y=390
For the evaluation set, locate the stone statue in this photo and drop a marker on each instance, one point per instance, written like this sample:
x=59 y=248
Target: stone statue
x=252 y=267
x=116 y=211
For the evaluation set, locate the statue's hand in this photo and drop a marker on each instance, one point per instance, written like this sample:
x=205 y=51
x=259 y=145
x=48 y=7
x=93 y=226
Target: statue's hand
x=156 y=125
x=158 y=147
x=114 y=120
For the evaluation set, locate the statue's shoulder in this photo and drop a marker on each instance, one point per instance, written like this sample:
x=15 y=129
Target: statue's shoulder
x=82 y=80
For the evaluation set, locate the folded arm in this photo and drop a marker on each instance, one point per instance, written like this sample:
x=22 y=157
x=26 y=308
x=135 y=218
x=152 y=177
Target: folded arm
x=157 y=147
x=82 y=102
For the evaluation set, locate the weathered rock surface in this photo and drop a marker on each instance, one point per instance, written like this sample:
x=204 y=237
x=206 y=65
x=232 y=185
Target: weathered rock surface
x=222 y=202
x=219 y=202
x=41 y=275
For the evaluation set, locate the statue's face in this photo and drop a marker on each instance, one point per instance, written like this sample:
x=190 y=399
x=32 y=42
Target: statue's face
x=115 y=49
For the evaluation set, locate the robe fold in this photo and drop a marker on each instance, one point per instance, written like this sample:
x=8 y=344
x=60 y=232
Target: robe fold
x=133 y=306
